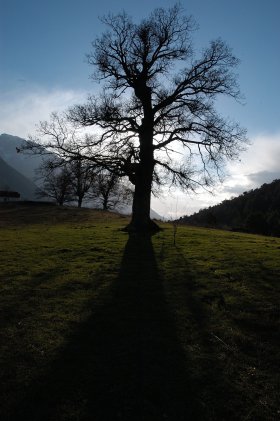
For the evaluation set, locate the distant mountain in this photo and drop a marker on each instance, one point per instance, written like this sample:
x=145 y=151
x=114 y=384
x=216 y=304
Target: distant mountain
x=256 y=211
x=11 y=179
x=25 y=164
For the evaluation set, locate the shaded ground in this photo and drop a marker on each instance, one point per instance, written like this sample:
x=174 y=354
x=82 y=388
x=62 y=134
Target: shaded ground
x=107 y=327
x=125 y=362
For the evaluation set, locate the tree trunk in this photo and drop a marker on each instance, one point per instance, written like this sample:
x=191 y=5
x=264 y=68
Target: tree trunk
x=80 y=201
x=141 y=221
x=105 y=203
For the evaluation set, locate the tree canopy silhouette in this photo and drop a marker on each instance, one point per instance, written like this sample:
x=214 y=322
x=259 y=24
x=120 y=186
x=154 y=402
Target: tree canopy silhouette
x=157 y=102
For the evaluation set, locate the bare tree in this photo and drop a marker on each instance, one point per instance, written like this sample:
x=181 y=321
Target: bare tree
x=84 y=176
x=158 y=99
x=76 y=177
x=111 y=191
x=63 y=147
x=56 y=183
x=148 y=109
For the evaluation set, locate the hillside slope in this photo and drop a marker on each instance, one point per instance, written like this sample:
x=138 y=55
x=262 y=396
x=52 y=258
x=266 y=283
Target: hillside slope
x=34 y=213
x=256 y=211
x=11 y=179
x=25 y=164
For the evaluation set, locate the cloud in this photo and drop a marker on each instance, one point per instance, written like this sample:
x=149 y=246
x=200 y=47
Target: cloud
x=261 y=177
x=258 y=165
x=234 y=190
x=21 y=110
x=262 y=155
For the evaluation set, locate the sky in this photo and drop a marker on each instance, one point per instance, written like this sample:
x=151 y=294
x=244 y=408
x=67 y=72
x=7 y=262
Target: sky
x=43 y=68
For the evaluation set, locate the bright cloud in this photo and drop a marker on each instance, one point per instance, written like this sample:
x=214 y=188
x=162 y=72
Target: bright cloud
x=262 y=154
x=258 y=165
x=21 y=110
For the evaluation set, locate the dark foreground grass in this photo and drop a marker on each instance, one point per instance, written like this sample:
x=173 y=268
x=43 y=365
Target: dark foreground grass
x=96 y=325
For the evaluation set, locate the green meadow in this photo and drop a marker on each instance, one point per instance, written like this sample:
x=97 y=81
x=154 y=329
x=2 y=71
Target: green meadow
x=98 y=325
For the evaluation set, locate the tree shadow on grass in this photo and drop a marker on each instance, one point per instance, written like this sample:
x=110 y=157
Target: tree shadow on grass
x=124 y=362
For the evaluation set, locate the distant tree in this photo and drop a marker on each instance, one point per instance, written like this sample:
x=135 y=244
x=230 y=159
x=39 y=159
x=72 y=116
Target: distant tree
x=83 y=176
x=79 y=179
x=75 y=178
x=110 y=191
x=56 y=183
x=66 y=155
x=157 y=100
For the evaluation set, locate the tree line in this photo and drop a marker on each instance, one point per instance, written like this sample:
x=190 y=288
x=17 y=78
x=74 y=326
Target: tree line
x=255 y=211
x=79 y=181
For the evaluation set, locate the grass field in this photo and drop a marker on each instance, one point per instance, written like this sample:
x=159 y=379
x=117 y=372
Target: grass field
x=96 y=325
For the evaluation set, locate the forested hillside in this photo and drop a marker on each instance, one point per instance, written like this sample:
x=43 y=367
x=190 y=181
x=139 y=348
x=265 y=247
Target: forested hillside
x=256 y=211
